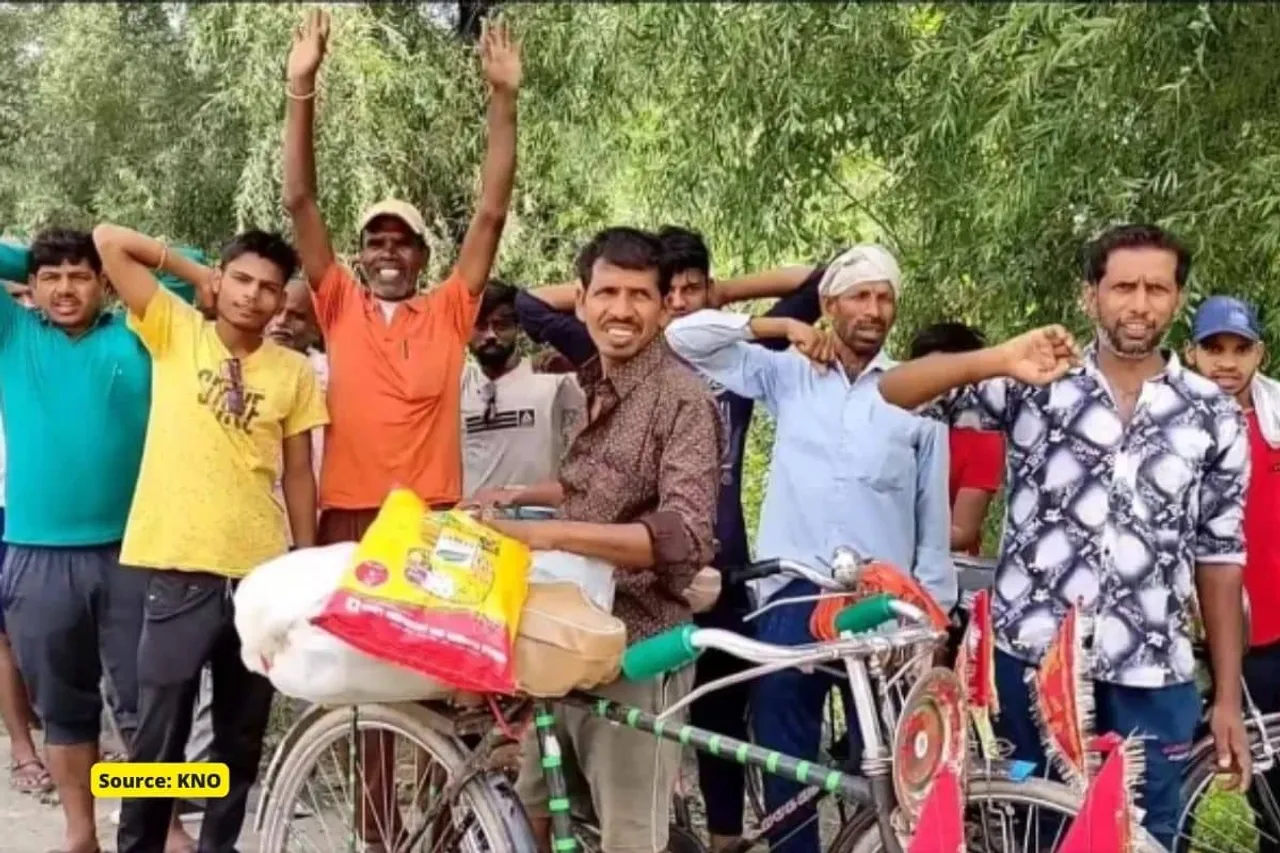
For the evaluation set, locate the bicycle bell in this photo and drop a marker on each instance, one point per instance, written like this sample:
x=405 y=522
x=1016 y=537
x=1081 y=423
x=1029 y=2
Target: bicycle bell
x=846 y=565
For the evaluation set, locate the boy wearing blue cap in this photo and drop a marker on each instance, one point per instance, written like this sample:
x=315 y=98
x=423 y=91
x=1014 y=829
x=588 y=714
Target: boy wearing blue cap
x=1226 y=346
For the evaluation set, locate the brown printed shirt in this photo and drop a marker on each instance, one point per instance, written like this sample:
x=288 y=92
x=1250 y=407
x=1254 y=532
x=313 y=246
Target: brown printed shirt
x=648 y=452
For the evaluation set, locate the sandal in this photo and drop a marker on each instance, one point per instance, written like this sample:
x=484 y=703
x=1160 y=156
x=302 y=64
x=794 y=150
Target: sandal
x=30 y=777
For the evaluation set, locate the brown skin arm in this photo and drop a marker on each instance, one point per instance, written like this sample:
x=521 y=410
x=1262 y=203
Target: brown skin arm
x=967 y=515
x=914 y=383
x=550 y=493
x=777 y=282
x=311 y=237
x=502 y=68
x=310 y=234
x=299 y=486
x=1220 y=589
x=129 y=258
x=627 y=546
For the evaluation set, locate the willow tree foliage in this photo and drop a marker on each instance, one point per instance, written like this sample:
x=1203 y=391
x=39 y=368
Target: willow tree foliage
x=985 y=143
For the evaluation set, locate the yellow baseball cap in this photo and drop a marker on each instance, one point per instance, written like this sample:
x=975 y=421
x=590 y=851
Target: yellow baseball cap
x=402 y=210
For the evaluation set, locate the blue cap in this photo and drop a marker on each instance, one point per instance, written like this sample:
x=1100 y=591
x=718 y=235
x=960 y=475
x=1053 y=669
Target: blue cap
x=1220 y=315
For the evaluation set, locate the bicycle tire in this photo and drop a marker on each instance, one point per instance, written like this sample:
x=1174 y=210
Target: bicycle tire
x=1201 y=768
x=862 y=834
x=503 y=827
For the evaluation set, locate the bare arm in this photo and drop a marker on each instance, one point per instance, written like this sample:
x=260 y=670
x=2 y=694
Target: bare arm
x=501 y=59
x=1220 y=590
x=967 y=515
x=627 y=546
x=130 y=259
x=1037 y=357
x=299 y=486
x=777 y=282
x=310 y=234
x=550 y=493
x=915 y=383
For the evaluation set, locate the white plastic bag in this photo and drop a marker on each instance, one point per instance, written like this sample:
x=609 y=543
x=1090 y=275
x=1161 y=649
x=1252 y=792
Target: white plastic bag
x=274 y=607
x=595 y=577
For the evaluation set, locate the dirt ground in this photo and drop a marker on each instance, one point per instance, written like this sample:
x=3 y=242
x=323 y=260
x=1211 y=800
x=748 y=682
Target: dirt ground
x=32 y=826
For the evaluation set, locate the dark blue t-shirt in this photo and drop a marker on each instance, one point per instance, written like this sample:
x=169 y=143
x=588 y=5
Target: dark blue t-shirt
x=569 y=337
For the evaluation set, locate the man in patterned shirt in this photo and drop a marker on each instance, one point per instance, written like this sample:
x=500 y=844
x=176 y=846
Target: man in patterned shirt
x=1127 y=475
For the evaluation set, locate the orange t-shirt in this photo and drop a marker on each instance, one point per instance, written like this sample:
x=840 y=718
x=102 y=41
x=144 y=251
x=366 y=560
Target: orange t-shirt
x=394 y=391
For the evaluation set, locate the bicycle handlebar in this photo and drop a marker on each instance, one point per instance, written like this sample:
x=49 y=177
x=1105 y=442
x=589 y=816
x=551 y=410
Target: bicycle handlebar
x=780 y=566
x=681 y=645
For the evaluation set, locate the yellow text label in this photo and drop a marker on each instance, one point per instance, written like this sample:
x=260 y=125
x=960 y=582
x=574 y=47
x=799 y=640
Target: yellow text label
x=126 y=780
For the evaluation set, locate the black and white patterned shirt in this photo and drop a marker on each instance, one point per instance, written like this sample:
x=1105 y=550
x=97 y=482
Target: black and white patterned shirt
x=1114 y=517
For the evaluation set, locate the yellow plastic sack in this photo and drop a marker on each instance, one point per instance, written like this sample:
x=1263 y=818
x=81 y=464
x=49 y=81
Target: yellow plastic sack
x=435 y=592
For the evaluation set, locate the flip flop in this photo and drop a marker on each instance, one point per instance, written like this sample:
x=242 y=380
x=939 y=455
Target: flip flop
x=30 y=777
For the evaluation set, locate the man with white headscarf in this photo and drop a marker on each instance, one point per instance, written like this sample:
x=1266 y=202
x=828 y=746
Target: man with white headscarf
x=848 y=469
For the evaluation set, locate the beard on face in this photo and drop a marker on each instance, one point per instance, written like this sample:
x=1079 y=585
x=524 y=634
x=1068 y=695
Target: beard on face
x=493 y=354
x=862 y=337
x=1113 y=338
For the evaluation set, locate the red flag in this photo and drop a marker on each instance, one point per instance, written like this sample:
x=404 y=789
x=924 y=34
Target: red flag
x=1107 y=816
x=1064 y=702
x=975 y=667
x=941 y=825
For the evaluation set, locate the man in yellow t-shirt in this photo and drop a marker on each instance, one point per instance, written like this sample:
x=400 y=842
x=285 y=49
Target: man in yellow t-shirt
x=231 y=414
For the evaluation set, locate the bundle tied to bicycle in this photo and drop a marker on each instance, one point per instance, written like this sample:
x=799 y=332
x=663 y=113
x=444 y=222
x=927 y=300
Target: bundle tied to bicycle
x=428 y=605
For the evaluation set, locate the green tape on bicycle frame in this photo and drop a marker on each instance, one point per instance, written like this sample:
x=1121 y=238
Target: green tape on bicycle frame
x=829 y=779
x=566 y=844
x=549 y=761
x=544 y=721
x=558 y=804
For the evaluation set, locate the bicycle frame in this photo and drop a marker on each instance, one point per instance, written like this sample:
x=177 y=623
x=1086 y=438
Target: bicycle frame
x=822 y=780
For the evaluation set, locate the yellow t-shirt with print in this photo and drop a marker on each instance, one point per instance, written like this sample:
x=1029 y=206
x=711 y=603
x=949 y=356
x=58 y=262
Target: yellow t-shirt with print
x=205 y=499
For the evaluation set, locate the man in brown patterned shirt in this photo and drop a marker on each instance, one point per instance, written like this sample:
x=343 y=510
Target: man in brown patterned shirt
x=638 y=489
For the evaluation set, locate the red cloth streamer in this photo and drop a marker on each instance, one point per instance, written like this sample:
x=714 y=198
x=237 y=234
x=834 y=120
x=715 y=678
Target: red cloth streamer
x=941 y=825
x=1105 y=821
x=1065 y=711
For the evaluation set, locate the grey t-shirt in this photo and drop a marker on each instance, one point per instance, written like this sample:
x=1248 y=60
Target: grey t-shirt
x=515 y=429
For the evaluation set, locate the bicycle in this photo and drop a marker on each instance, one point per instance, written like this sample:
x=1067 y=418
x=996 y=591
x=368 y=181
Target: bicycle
x=475 y=809
x=1200 y=770
x=972 y=574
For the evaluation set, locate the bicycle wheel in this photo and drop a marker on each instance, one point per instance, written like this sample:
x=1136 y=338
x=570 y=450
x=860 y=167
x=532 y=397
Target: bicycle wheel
x=1217 y=821
x=358 y=746
x=998 y=819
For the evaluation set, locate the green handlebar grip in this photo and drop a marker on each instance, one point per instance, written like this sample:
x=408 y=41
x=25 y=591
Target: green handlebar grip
x=660 y=654
x=868 y=614
x=14 y=262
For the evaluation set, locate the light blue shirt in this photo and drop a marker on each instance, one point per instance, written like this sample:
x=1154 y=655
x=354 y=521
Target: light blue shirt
x=848 y=468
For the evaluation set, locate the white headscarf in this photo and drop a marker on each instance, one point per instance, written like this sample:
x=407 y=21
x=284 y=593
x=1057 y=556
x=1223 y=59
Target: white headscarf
x=859 y=265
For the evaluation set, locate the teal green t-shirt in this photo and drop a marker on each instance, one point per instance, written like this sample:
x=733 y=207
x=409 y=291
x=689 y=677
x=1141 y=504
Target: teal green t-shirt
x=75 y=420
